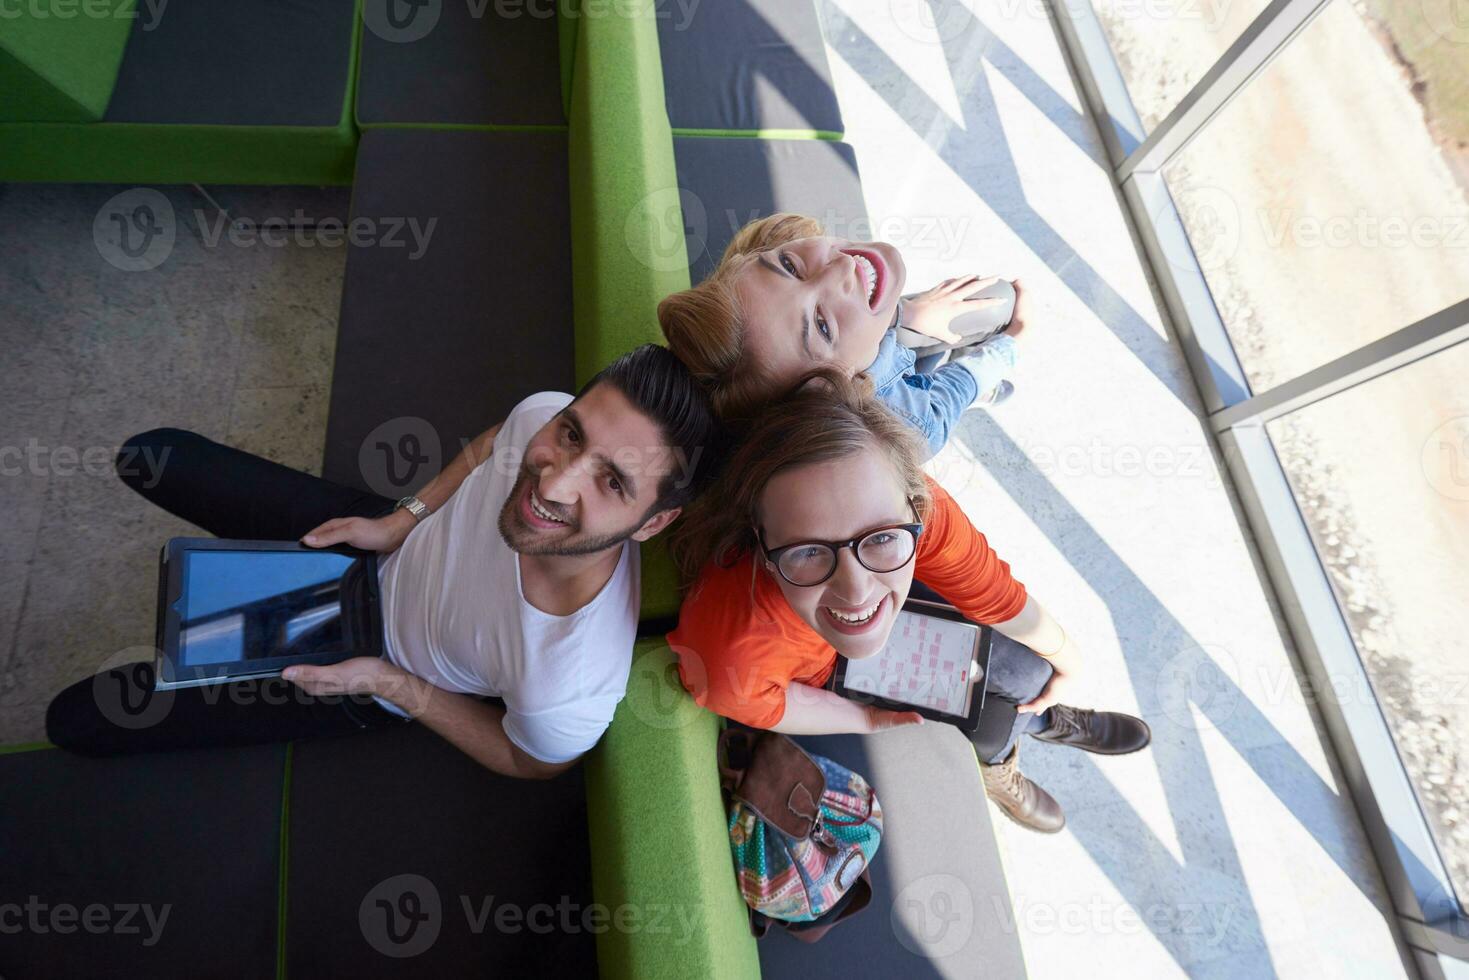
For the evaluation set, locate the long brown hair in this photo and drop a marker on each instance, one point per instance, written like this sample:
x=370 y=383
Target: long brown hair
x=830 y=416
x=705 y=326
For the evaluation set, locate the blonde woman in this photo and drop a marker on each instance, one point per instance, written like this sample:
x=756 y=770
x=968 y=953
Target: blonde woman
x=806 y=550
x=786 y=299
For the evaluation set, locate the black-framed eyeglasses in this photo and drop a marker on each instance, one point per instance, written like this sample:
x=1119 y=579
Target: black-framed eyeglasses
x=807 y=563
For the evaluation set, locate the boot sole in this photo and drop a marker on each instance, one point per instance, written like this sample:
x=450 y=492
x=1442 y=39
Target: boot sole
x=1091 y=749
x=1021 y=823
x=1096 y=751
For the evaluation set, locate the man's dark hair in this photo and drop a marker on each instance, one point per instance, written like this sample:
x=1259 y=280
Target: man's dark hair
x=658 y=385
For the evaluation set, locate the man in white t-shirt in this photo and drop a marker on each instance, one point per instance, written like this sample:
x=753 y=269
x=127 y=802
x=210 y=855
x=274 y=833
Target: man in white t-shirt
x=515 y=571
x=512 y=574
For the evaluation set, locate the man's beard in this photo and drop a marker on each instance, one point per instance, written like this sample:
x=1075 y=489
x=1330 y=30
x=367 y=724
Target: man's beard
x=523 y=540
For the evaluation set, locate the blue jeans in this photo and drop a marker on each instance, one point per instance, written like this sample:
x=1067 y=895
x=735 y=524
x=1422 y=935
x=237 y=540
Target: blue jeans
x=1016 y=674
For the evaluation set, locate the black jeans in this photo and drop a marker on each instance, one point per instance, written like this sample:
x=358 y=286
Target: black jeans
x=1016 y=675
x=230 y=494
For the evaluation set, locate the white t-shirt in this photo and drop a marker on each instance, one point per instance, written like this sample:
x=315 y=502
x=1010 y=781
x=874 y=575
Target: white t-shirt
x=455 y=615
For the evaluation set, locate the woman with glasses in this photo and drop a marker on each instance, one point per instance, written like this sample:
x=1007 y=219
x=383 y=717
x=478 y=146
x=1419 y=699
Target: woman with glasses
x=807 y=548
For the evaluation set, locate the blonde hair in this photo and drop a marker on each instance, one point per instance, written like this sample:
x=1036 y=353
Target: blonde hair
x=705 y=326
x=830 y=416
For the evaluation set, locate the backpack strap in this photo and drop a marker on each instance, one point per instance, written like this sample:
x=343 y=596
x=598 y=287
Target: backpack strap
x=776 y=778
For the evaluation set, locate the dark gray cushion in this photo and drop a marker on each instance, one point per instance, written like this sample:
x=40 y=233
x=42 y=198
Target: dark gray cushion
x=728 y=182
x=394 y=826
x=437 y=62
x=746 y=65
x=244 y=63
x=940 y=907
x=194 y=835
x=434 y=348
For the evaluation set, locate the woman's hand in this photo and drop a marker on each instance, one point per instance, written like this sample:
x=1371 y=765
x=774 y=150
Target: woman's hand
x=931 y=311
x=1065 y=680
x=880 y=719
x=380 y=534
x=817 y=711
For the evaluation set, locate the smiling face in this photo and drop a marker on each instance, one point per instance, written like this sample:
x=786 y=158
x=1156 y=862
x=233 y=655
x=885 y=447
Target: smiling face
x=817 y=301
x=589 y=479
x=856 y=608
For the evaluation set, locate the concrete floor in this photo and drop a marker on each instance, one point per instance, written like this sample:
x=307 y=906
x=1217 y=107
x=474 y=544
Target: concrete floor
x=234 y=341
x=1228 y=849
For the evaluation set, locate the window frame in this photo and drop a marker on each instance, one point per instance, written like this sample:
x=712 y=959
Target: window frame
x=1431 y=927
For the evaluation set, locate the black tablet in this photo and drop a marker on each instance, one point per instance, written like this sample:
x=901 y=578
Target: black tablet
x=934 y=663
x=229 y=610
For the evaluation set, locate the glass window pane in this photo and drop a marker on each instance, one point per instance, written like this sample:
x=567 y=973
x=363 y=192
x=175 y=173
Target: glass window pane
x=1163 y=47
x=1326 y=203
x=1381 y=475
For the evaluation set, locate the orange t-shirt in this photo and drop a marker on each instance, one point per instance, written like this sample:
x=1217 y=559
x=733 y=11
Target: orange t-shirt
x=737 y=653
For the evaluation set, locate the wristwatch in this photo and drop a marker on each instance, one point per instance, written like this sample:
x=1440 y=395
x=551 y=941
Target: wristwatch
x=414 y=506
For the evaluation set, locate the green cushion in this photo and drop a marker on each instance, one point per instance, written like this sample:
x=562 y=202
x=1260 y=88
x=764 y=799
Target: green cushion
x=659 y=843
x=627 y=242
x=165 y=152
x=58 y=62
x=146 y=153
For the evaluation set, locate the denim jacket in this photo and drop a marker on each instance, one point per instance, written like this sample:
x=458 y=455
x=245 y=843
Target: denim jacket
x=932 y=402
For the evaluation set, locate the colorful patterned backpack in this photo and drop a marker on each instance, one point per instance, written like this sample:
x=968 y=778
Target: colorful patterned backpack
x=803 y=831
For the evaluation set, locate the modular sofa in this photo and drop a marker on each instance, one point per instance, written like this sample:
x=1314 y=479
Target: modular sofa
x=579 y=167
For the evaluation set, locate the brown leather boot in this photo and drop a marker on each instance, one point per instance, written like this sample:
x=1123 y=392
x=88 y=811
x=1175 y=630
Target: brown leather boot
x=1102 y=732
x=1020 y=799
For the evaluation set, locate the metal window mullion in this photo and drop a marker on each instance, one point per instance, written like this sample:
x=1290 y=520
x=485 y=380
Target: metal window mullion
x=1265 y=36
x=1216 y=368
x=1099 y=77
x=1450 y=937
x=1430 y=335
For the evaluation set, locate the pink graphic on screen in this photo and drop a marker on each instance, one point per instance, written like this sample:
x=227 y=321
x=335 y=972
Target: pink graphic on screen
x=927 y=662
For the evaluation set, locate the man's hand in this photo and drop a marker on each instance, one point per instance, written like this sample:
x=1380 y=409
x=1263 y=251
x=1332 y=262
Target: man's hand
x=381 y=534
x=360 y=675
x=931 y=311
